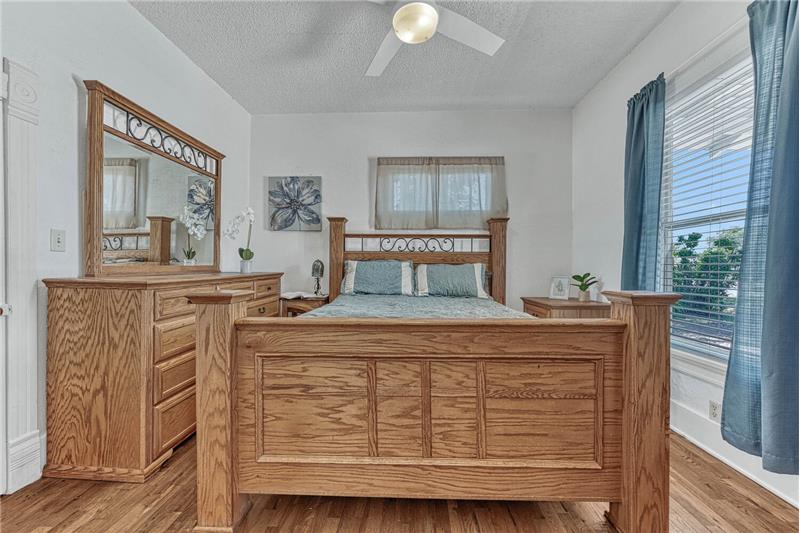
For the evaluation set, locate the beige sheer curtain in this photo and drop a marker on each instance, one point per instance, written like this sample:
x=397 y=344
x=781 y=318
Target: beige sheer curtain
x=119 y=193
x=439 y=192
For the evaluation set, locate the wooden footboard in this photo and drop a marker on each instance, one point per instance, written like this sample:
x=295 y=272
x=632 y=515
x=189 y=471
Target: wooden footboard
x=466 y=409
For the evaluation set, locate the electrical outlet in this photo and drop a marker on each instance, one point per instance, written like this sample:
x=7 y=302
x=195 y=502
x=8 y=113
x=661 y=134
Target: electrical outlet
x=714 y=410
x=58 y=240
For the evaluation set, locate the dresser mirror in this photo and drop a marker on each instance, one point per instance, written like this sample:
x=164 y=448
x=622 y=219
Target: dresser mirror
x=152 y=192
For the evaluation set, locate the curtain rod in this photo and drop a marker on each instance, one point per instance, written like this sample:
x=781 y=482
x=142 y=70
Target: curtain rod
x=713 y=43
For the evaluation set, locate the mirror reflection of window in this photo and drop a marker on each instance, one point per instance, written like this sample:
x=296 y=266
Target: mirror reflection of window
x=120 y=184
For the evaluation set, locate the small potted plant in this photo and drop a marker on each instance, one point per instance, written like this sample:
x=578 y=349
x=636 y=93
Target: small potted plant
x=195 y=227
x=232 y=232
x=583 y=283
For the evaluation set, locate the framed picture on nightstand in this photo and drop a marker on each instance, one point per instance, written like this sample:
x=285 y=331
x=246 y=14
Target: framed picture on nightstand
x=559 y=288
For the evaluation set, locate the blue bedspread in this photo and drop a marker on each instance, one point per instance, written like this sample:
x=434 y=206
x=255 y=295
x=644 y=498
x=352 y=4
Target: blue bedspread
x=396 y=306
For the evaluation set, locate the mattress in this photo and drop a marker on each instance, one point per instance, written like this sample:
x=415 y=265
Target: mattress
x=397 y=306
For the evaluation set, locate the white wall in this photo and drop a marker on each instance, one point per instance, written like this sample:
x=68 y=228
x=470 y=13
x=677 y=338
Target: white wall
x=340 y=148
x=598 y=146
x=66 y=43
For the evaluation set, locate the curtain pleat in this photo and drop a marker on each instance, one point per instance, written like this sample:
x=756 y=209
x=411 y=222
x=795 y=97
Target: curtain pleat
x=644 y=154
x=760 y=404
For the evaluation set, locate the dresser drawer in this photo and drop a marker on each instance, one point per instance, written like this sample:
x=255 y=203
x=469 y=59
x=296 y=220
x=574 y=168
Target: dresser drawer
x=236 y=286
x=264 y=307
x=173 y=420
x=267 y=287
x=175 y=302
x=173 y=338
x=173 y=375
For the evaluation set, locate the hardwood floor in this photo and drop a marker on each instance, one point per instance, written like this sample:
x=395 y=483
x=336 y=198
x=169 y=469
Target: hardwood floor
x=705 y=496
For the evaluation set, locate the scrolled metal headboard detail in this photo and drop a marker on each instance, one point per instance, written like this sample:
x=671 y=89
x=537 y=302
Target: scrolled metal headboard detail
x=417 y=244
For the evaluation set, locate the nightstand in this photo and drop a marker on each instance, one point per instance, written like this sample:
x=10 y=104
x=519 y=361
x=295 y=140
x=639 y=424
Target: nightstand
x=298 y=306
x=543 y=307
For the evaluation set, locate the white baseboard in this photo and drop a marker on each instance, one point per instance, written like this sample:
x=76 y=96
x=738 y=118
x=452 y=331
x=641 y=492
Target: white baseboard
x=25 y=457
x=705 y=434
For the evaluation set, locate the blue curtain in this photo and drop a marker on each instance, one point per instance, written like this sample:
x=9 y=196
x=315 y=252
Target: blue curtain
x=759 y=410
x=644 y=151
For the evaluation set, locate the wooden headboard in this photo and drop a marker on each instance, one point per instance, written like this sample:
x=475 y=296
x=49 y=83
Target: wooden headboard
x=453 y=248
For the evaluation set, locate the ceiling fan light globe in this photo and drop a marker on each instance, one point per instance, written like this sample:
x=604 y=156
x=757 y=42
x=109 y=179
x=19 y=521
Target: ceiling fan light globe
x=415 y=23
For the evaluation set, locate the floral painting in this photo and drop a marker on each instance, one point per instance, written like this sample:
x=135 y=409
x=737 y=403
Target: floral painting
x=200 y=199
x=294 y=203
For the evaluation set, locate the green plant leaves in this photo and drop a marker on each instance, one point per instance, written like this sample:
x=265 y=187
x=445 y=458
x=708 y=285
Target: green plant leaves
x=246 y=254
x=584 y=281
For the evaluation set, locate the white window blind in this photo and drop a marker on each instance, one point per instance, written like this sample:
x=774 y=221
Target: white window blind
x=707 y=141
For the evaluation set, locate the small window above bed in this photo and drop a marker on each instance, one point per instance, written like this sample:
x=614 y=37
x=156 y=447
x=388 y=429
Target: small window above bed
x=439 y=192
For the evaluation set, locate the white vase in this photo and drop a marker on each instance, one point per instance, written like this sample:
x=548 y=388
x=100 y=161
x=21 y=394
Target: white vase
x=189 y=262
x=246 y=266
x=584 y=296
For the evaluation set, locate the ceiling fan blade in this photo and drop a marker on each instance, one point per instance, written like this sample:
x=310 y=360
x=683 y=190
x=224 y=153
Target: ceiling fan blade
x=387 y=50
x=461 y=29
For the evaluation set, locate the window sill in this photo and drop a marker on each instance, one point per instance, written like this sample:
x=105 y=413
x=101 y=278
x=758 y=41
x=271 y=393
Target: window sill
x=703 y=367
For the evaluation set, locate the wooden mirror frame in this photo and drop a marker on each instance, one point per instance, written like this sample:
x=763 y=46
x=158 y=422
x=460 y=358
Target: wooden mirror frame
x=183 y=149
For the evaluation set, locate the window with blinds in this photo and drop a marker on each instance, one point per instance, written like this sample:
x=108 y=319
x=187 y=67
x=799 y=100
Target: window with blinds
x=707 y=141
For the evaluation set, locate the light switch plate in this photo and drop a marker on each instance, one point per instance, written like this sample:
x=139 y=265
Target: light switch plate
x=58 y=240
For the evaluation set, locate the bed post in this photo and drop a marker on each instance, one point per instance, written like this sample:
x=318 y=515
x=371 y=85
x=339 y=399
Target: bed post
x=645 y=413
x=220 y=507
x=497 y=243
x=336 y=256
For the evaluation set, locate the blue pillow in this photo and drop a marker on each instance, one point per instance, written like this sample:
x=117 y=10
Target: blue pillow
x=451 y=280
x=378 y=277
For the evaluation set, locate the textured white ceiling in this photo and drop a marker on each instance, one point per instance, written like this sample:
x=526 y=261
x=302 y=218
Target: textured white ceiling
x=310 y=57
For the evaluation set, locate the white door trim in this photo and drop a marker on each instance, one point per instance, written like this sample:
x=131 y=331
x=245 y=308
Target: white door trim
x=3 y=388
x=23 y=432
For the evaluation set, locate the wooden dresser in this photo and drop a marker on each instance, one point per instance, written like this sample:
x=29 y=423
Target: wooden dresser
x=121 y=368
x=543 y=307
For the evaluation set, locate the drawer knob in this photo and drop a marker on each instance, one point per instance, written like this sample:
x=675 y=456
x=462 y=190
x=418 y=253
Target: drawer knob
x=262 y=309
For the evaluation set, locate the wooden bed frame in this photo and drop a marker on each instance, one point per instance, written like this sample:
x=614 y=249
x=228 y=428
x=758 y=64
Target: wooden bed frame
x=507 y=409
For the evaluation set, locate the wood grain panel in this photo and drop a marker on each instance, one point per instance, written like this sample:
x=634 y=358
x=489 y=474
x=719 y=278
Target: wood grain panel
x=173 y=338
x=541 y=379
x=311 y=376
x=95 y=391
x=453 y=378
x=498 y=228
x=316 y=425
x=559 y=430
x=173 y=375
x=399 y=378
x=174 y=420
x=93 y=195
x=454 y=427
x=435 y=339
x=336 y=255
x=432 y=481
x=399 y=426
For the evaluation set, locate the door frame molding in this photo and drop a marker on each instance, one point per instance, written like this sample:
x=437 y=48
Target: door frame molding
x=21 y=428
x=4 y=459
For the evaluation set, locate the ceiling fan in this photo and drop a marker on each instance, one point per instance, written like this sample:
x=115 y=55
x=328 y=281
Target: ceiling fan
x=416 y=22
